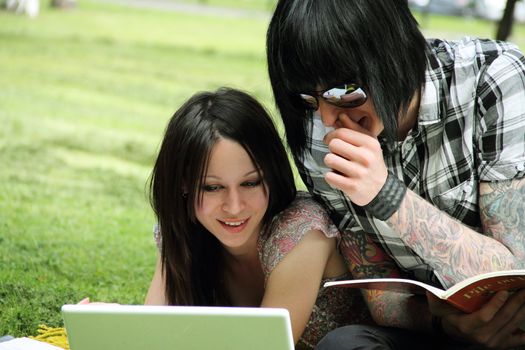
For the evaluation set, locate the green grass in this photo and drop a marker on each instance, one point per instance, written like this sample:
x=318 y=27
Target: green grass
x=257 y=5
x=85 y=95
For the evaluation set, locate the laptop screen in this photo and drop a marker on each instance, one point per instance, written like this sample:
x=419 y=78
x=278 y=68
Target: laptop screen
x=134 y=327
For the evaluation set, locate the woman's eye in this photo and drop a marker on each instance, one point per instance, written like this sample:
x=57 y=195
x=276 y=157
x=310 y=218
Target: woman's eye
x=211 y=188
x=252 y=183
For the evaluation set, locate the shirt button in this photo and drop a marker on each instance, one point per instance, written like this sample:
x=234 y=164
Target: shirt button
x=467 y=188
x=408 y=146
x=520 y=167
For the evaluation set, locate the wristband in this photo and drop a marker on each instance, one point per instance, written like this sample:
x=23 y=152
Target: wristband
x=388 y=199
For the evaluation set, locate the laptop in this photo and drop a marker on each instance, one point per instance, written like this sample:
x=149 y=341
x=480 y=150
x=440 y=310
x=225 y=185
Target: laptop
x=139 y=327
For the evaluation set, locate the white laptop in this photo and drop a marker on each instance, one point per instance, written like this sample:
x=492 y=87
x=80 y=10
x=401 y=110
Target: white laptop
x=138 y=327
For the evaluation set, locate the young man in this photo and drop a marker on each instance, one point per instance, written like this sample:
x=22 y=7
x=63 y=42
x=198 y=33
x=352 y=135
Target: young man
x=416 y=145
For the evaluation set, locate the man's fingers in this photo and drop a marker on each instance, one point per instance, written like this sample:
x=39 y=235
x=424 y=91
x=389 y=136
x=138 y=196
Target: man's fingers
x=512 y=315
x=351 y=136
x=346 y=122
x=494 y=305
x=471 y=324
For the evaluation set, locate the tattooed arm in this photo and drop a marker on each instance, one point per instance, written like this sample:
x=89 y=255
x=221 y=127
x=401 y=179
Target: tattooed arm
x=365 y=259
x=452 y=249
x=493 y=326
x=456 y=251
x=502 y=214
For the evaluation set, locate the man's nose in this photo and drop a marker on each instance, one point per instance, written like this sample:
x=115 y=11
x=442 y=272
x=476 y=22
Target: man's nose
x=329 y=113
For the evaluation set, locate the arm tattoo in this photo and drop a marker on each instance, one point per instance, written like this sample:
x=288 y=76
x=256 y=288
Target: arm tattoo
x=366 y=259
x=399 y=309
x=503 y=214
x=456 y=251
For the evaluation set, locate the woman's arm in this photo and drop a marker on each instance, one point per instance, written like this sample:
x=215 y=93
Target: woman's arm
x=156 y=292
x=295 y=281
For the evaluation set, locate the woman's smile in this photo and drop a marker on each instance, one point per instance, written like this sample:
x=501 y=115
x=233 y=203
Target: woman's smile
x=234 y=226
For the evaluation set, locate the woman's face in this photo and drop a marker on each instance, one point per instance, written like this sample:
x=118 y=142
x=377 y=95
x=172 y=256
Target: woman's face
x=234 y=198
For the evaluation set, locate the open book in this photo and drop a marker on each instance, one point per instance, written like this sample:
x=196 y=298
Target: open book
x=468 y=295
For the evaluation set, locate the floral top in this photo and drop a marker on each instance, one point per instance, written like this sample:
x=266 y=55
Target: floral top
x=334 y=307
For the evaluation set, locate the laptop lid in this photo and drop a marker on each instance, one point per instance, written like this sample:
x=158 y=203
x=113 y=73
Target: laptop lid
x=139 y=327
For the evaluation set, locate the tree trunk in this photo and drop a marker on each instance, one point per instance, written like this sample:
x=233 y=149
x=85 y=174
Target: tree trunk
x=63 y=3
x=505 y=24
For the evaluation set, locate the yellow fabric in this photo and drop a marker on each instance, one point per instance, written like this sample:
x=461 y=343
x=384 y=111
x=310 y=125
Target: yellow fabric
x=54 y=336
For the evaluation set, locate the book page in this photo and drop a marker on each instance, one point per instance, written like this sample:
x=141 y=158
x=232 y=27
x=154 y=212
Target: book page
x=393 y=284
x=26 y=344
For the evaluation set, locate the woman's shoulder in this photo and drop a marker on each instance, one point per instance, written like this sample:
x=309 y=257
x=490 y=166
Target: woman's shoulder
x=304 y=212
x=290 y=226
x=302 y=204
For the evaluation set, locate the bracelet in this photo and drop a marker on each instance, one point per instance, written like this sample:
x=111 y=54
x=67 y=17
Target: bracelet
x=388 y=199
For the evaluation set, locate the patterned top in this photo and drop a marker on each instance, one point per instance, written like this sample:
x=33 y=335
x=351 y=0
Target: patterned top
x=470 y=128
x=334 y=307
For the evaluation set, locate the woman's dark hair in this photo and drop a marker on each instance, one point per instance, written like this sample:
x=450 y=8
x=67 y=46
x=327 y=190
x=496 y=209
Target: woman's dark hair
x=321 y=43
x=191 y=256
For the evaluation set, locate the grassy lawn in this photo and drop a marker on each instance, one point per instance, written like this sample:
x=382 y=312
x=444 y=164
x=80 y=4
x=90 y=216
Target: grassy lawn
x=85 y=95
x=257 y=5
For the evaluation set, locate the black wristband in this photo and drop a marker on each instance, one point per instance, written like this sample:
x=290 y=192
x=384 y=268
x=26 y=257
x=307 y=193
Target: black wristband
x=388 y=199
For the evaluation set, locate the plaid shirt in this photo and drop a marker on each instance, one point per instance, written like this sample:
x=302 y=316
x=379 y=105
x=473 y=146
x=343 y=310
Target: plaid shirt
x=471 y=128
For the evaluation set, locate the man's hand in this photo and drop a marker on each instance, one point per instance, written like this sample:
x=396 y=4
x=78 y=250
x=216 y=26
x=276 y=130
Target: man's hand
x=495 y=326
x=357 y=162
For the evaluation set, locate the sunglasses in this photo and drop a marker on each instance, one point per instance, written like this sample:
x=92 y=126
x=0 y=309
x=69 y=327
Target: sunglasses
x=343 y=96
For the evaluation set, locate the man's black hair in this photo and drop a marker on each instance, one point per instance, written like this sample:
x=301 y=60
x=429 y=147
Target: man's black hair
x=314 y=44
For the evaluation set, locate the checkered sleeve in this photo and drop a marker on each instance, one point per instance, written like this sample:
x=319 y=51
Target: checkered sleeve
x=501 y=113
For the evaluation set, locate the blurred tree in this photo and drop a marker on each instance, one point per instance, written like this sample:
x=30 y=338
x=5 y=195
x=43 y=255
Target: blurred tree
x=506 y=22
x=63 y=3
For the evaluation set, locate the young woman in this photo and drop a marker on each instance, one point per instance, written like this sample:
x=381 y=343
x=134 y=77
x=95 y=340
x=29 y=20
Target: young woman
x=232 y=229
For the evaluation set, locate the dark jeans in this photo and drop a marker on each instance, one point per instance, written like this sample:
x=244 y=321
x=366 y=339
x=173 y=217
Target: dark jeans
x=358 y=337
